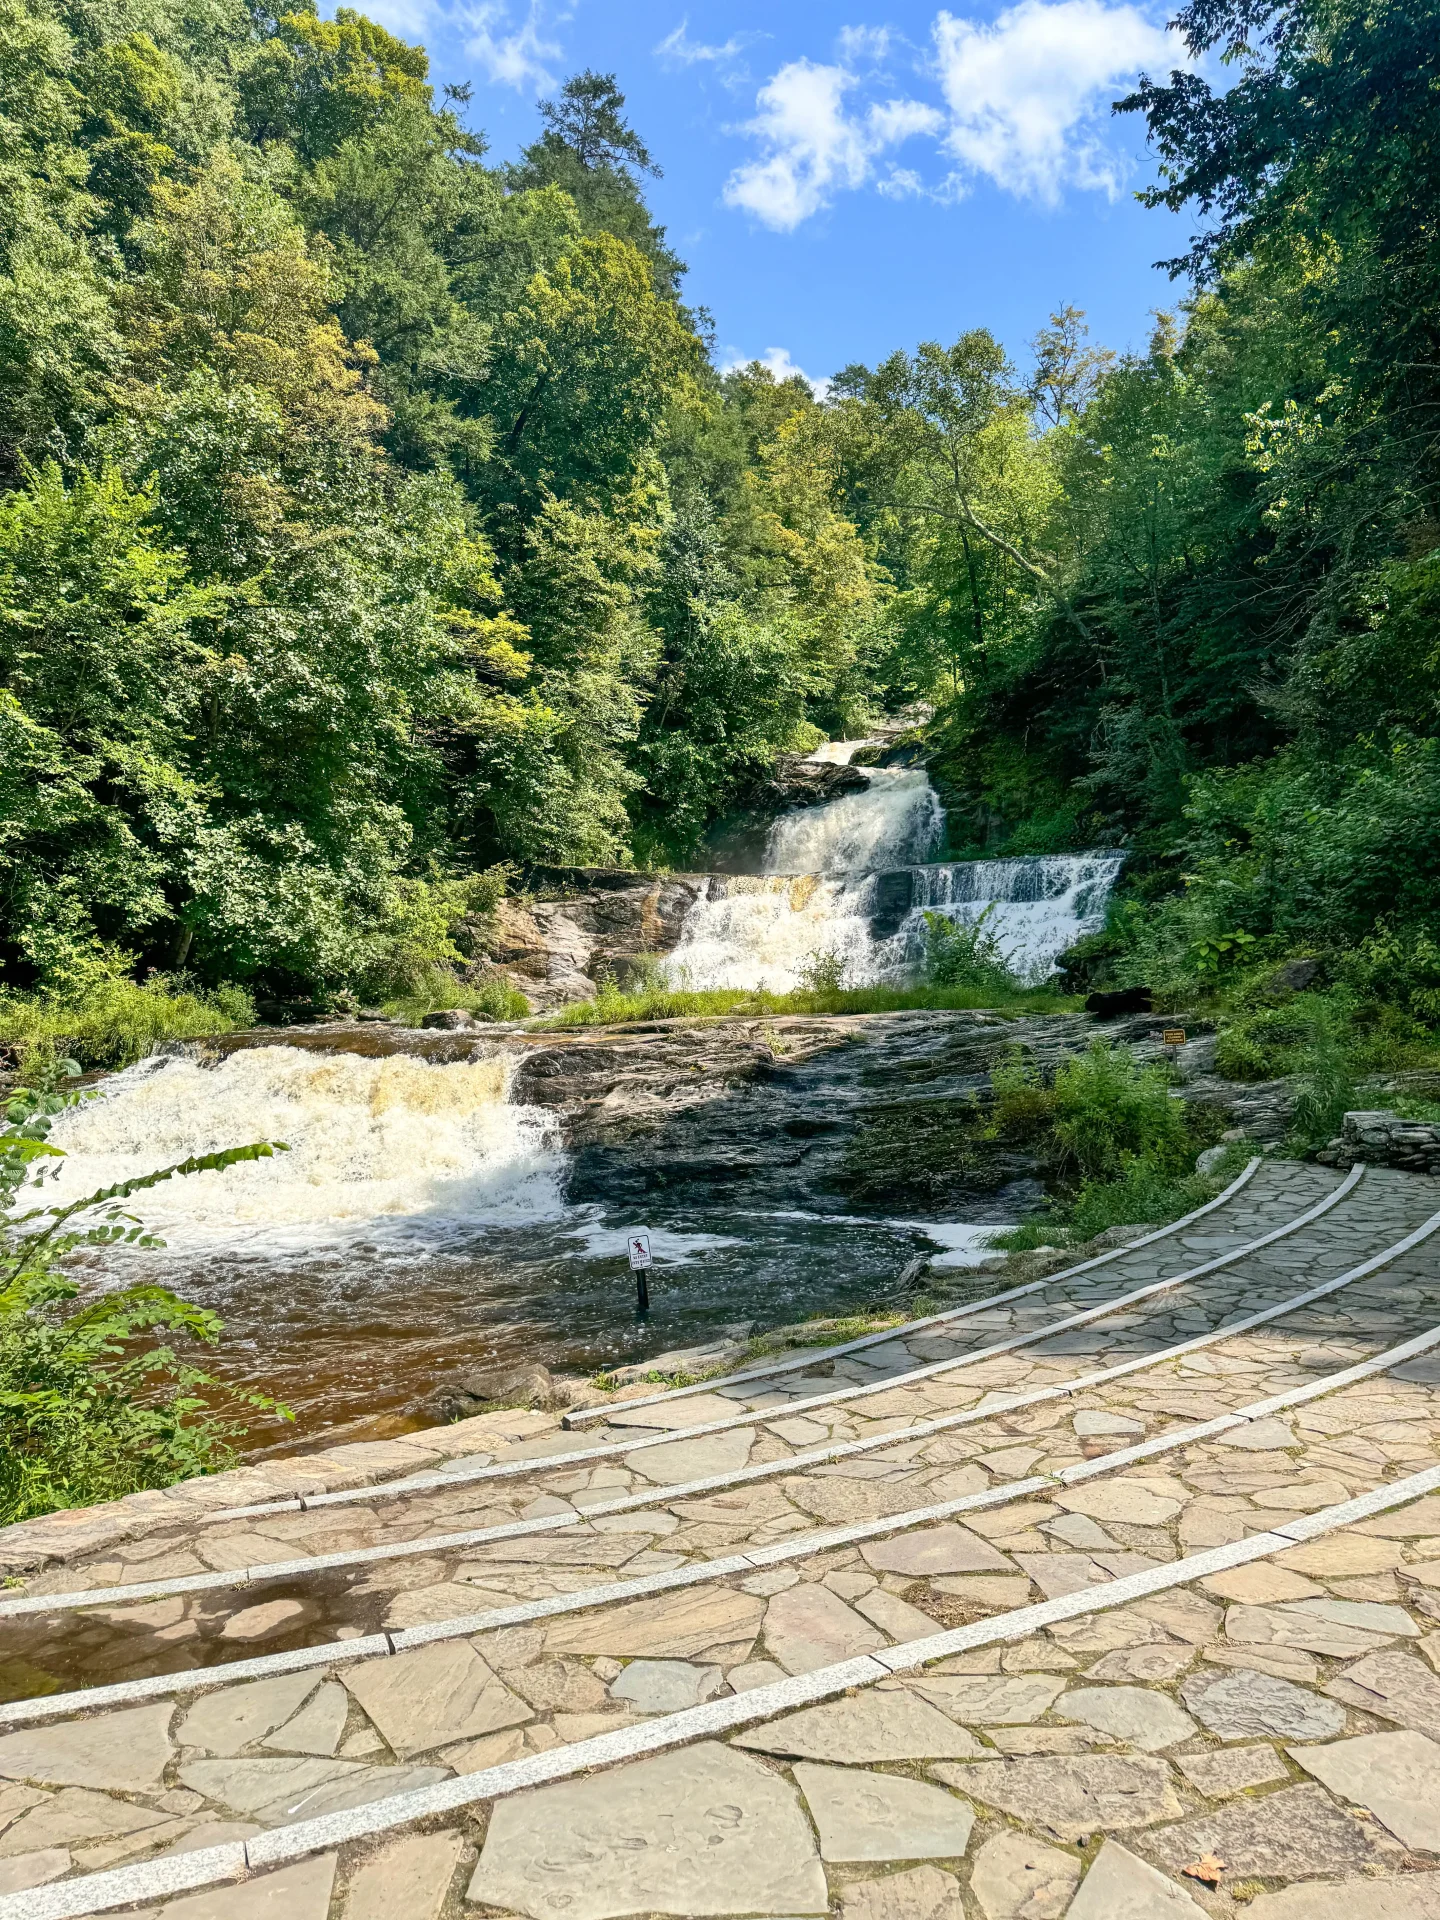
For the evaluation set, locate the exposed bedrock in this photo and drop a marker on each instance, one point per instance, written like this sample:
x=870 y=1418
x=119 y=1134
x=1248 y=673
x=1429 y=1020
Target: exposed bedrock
x=572 y=925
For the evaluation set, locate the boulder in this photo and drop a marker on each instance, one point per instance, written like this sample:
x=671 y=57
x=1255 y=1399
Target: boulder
x=451 y=1020
x=530 y=1385
x=1294 y=977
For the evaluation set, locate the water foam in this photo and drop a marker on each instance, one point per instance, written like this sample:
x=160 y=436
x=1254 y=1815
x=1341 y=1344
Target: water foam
x=896 y=821
x=764 y=931
x=372 y=1141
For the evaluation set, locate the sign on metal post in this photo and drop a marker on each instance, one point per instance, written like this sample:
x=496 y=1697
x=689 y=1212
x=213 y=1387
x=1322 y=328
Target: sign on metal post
x=638 y=1248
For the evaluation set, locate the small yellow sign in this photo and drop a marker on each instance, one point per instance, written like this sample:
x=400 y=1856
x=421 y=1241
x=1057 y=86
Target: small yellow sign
x=1174 y=1036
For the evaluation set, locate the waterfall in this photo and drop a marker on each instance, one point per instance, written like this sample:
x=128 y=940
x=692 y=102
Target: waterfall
x=1041 y=903
x=371 y=1140
x=895 y=822
x=853 y=879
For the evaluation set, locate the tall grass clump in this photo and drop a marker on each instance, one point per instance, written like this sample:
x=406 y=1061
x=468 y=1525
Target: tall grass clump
x=114 y=1021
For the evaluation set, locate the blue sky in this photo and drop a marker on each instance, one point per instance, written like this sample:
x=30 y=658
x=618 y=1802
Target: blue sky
x=846 y=181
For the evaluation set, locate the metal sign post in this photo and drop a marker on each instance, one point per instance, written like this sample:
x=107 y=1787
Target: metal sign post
x=638 y=1248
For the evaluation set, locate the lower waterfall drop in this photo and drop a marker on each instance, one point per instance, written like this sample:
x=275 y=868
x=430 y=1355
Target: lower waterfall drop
x=372 y=1140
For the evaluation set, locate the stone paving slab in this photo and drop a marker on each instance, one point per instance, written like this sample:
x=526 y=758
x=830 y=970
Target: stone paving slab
x=1283 y=1710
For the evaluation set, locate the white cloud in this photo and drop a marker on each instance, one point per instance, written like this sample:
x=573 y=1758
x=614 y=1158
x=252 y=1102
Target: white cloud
x=1026 y=101
x=1027 y=92
x=409 y=18
x=812 y=146
x=678 y=46
x=900 y=183
x=778 y=360
x=863 y=43
x=512 y=56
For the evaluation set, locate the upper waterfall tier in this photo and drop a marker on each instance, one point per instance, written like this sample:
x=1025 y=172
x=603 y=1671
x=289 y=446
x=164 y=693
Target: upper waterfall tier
x=853 y=878
x=895 y=821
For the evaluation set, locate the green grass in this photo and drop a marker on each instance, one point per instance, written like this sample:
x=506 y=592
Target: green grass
x=612 y=1008
x=439 y=990
x=116 y=1022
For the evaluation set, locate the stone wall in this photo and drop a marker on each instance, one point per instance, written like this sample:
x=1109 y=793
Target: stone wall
x=1385 y=1140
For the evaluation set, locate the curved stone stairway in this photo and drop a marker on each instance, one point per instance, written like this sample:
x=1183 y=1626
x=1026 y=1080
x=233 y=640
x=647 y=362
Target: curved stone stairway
x=1114 y=1596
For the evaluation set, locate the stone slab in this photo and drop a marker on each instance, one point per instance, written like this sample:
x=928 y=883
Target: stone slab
x=1231 y=1770
x=1121 y=1887
x=1091 y=1793
x=807 y=1627
x=943 y=1549
x=666 y=1686
x=1282 y=1836
x=921 y=1893
x=677 y=1462
x=72 y=1817
x=1016 y=1878
x=127 y=1752
x=673 y=1626
x=1410 y=1896
x=878 y=1816
x=406 y=1880
x=1395 y=1775
x=443 y=1692
x=318 y=1726
x=301 y=1892
x=1395 y=1686
x=235 y=1717
x=875 y=1725
x=1242 y=1706
x=983 y=1699
x=702 y=1831
x=1137 y=1715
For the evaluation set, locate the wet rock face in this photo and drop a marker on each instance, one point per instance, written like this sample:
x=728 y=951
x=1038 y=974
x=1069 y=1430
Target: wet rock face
x=787 y=1112
x=576 y=925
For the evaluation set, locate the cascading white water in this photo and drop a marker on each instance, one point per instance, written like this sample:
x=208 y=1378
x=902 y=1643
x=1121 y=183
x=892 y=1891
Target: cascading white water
x=371 y=1140
x=1039 y=903
x=895 y=822
x=820 y=894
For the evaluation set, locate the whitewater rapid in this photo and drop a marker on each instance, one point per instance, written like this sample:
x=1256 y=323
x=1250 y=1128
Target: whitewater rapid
x=372 y=1141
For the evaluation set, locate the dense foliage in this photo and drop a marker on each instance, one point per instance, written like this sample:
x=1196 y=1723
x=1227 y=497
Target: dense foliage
x=373 y=516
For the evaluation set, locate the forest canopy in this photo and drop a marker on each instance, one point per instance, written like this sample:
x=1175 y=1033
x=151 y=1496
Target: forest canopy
x=373 y=515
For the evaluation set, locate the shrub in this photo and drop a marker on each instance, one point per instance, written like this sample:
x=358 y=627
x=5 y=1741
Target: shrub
x=967 y=953
x=822 y=971
x=1110 y=1111
x=95 y=1401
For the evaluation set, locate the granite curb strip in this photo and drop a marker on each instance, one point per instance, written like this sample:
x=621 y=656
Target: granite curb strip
x=126 y=1886
x=513 y=1469
x=813 y=1355
x=346 y=1652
